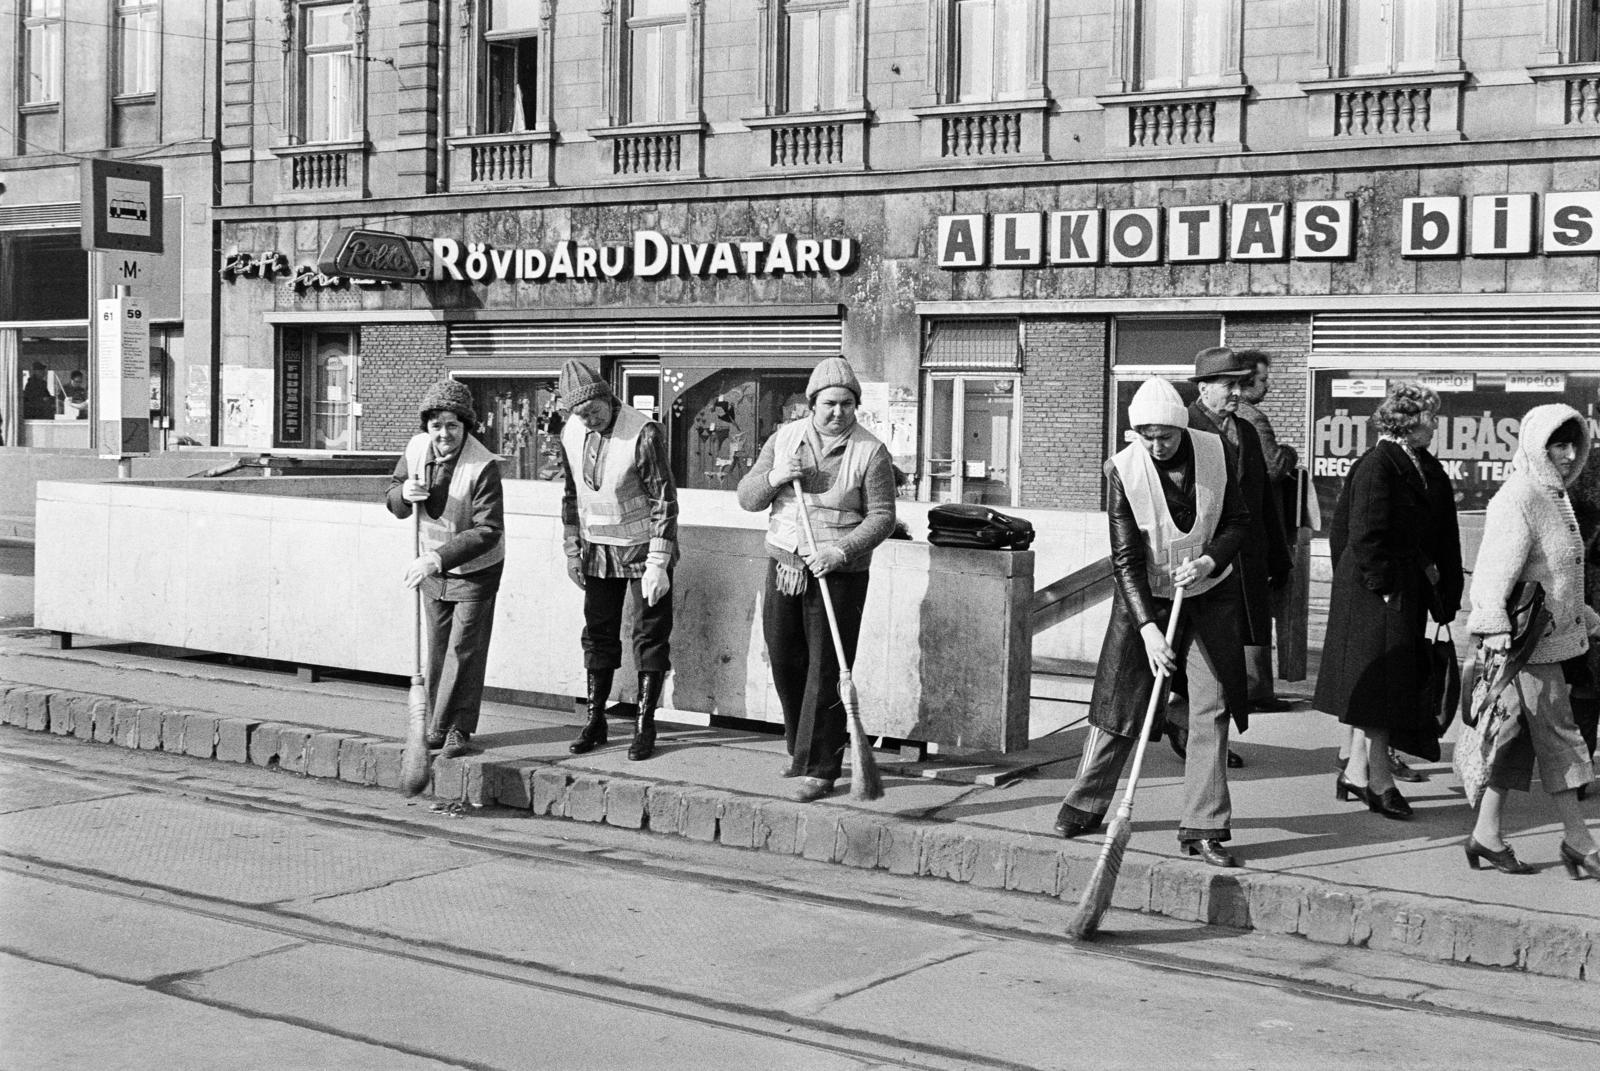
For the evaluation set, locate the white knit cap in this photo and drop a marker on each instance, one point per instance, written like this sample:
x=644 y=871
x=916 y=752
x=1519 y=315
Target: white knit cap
x=1157 y=402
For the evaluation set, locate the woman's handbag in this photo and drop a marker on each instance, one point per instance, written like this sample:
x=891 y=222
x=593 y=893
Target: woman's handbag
x=1490 y=721
x=1441 y=693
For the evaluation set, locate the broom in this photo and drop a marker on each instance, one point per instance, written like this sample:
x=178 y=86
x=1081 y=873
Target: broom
x=1097 y=896
x=414 y=759
x=865 y=784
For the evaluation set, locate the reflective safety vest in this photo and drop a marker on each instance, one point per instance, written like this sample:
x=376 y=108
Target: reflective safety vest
x=457 y=514
x=834 y=513
x=617 y=513
x=1165 y=544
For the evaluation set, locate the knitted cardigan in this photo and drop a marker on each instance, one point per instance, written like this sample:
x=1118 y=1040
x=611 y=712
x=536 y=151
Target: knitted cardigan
x=1531 y=533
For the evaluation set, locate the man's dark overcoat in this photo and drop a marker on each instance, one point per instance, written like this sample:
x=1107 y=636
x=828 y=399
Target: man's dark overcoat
x=1264 y=558
x=1123 y=681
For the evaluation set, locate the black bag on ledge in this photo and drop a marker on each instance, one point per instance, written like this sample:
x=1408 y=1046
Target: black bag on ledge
x=978 y=527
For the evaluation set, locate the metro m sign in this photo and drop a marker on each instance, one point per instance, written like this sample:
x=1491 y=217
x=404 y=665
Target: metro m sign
x=370 y=255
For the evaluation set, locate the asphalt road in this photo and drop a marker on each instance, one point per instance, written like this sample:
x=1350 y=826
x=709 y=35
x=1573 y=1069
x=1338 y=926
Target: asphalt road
x=162 y=912
x=16 y=584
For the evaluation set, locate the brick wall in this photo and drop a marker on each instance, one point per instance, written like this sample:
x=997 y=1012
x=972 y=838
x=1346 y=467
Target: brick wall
x=398 y=362
x=1287 y=337
x=1063 y=413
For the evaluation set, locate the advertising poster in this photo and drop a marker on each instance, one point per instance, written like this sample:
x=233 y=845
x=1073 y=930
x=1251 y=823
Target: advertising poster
x=1480 y=416
x=246 y=406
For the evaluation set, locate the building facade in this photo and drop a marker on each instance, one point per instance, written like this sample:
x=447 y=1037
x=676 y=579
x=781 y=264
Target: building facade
x=1004 y=212
x=128 y=80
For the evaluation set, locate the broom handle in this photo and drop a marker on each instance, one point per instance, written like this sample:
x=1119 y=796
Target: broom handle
x=827 y=598
x=1150 y=711
x=416 y=552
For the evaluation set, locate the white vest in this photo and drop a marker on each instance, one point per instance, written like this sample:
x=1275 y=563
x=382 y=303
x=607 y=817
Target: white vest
x=457 y=514
x=1165 y=544
x=617 y=513
x=837 y=511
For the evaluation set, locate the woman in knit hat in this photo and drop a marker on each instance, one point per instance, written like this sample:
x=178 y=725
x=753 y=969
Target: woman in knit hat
x=849 y=486
x=455 y=481
x=1530 y=534
x=1178 y=519
x=620 y=522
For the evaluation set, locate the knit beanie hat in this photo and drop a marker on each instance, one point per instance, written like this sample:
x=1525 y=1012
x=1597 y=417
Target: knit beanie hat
x=579 y=383
x=1157 y=402
x=834 y=372
x=452 y=395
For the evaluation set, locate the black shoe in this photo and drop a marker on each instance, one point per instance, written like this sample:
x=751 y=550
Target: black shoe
x=1069 y=825
x=1575 y=861
x=1505 y=860
x=1270 y=705
x=594 y=730
x=436 y=740
x=1388 y=803
x=1178 y=737
x=455 y=744
x=1402 y=771
x=1211 y=851
x=1234 y=761
x=644 y=729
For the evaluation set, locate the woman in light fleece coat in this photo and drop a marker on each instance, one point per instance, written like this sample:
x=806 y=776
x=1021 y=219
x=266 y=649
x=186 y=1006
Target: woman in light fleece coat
x=1531 y=534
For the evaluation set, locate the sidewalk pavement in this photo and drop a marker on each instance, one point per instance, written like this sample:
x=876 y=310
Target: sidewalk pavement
x=1330 y=872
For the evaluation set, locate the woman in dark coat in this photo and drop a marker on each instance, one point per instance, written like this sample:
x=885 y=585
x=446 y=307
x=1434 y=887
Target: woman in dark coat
x=1396 y=553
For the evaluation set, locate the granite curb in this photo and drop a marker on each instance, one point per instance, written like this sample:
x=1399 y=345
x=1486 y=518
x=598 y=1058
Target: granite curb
x=1430 y=927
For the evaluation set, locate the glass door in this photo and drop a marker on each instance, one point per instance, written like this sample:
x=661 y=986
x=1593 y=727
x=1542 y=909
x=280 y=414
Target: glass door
x=971 y=445
x=639 y=384
x=336 y=413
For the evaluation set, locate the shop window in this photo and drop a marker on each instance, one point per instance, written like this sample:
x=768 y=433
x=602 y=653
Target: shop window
x=41 y=44
x=1147 y=346
x=510 y=90
x=137 y=46
x=716 y=426
x=329 y=77
x=518 y=419
x=819 y=50
x=657 y=61
x=973 y=405
x=1184 y=43
x=43 y=277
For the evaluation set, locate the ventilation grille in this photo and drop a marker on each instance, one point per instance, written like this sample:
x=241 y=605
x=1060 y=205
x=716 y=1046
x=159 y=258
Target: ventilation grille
x=800 y=339
x=40 y=217
x=1534 y=331
x=992 y=345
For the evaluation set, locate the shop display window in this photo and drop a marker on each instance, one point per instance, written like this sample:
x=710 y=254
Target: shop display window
x=717 y=425
x=518 y=419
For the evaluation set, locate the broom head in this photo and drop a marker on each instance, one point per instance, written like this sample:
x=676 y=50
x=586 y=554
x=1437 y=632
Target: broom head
x=865 y=782
x=1097 y=896
x=414 y=759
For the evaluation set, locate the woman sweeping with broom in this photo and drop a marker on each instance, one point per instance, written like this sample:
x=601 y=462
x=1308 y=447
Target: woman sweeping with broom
x=453 y=482
x=1177 y=519
x=848 y=481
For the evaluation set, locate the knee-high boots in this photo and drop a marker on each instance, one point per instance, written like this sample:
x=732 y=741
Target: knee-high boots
x=594 y=730
x=644 y=732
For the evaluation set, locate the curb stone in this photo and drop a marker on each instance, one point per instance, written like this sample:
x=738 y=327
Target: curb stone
x=1489 y=935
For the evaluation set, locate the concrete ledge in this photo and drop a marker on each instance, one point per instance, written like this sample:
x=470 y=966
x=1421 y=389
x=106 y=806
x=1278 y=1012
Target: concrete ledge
x=1434 y=928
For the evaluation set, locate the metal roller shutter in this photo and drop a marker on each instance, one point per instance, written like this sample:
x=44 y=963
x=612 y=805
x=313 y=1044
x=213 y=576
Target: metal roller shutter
x=1551 y=331
x=794 y=341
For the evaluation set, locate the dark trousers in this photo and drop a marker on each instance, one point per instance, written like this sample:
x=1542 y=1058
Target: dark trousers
x=603 y=600
x=805 y=670
x=458 y=654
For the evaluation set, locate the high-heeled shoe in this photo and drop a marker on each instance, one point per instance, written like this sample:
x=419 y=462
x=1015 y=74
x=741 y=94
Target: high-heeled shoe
x=1575 y=861
x=1505 y=860
x=1388 y=803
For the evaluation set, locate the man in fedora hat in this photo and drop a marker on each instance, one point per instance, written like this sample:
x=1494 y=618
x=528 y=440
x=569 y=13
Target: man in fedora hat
x=1177 y=520
x=457 y=482
x=1221 y=375
x=620 y=525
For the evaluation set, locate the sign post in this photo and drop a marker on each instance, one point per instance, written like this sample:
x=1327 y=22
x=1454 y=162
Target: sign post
x=122 y=210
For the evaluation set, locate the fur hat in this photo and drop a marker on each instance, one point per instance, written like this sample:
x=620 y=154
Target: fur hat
x=451 y=395
x=834 y=372
x=1157 y=402
x=579 y=383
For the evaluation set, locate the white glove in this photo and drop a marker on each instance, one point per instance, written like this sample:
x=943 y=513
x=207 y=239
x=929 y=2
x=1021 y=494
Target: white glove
x=424 y=566
x=655 y=583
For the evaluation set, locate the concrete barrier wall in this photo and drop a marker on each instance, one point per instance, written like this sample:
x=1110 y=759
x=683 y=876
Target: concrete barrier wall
x=945 y=649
